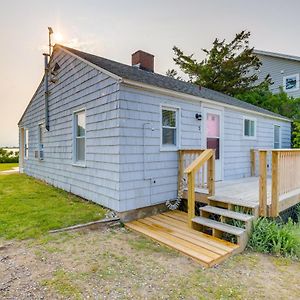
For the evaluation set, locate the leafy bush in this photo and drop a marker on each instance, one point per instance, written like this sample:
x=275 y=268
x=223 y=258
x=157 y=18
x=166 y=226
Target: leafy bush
x=296 y=134
x=8 y=156
x=276 y=238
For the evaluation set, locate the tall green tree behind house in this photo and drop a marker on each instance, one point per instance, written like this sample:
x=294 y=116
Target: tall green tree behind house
x=232 y=68
x=229 y=67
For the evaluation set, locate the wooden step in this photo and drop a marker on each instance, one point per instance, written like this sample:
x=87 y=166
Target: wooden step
x=219 y=226
x=234 y=201
x=226 y=213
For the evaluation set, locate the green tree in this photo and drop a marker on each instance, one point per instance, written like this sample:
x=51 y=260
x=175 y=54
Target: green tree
x=229 y=68
x=279 y=103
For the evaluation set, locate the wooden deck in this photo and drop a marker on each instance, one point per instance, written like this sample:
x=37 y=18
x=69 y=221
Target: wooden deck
x=245 y=192
x=171 y=229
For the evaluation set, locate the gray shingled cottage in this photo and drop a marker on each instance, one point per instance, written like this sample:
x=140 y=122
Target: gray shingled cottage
x=112 y=132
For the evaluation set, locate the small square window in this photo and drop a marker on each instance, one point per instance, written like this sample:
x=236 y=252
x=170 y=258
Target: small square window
x=291 y=83
x=169 y=127
x=249 y=128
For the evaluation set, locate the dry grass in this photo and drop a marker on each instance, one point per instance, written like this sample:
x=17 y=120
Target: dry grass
x=118 y=264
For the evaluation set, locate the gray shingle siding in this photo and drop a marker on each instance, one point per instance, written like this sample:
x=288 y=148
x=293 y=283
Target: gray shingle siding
x=121 y=155
x=278 y=68
x=79 y=86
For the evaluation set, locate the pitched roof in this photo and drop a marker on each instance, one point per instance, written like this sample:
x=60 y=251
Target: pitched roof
x=275 y=54
x=135 y=74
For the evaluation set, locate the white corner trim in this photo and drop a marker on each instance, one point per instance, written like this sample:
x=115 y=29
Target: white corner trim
x=91 y=64
x=167 y=92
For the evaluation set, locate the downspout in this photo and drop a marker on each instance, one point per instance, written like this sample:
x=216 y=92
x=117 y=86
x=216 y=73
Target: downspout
x=46 y=75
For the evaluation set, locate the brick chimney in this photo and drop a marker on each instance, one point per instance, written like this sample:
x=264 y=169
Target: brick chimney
x=143 y=60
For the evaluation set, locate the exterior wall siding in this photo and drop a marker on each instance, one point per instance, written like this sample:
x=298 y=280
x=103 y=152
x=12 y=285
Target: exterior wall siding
x=125 y=165
x=237 y=148
x=149 y=175
x=79 y=86
x=278 y=68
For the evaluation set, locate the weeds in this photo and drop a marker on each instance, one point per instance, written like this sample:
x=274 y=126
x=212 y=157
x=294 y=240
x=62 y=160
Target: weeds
x=276 y=238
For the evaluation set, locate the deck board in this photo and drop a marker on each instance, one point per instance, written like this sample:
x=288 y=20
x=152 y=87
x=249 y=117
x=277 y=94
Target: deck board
x=171 y=229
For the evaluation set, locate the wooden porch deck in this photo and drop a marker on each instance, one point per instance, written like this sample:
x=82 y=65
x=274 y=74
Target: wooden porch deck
x=171 y=229
x=245 y=191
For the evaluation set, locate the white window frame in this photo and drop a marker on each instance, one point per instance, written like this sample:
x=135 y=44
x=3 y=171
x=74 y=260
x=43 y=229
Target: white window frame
x=74 y=137
x=40 y=145
x=255 y=128
x=297 y=83
x=276 y=125
x=177 y=110
x=26 y=145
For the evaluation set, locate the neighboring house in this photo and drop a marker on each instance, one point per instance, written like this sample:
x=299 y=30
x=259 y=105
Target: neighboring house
x=115 y=130
x=284 y=70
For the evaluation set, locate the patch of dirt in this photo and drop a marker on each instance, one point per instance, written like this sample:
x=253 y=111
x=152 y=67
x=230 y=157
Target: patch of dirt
x=118 y=264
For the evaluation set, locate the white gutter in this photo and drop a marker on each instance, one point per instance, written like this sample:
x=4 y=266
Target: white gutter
x=195 y=98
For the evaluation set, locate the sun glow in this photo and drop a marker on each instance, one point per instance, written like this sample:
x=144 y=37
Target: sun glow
x=58 y=37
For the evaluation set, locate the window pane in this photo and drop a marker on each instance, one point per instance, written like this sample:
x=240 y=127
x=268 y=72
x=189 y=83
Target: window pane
x=246 y=128
x=169 y=136
x=214 y=143
x=290 y=83
x=80 y=122
x=249 y=127
x=169 y=118
x=276 y=137
x=41 y=134
x=213 y=125
x=80 y=149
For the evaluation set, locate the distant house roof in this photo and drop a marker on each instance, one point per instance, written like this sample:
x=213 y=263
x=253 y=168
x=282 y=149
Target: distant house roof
x=161 y=81
x=279 y=55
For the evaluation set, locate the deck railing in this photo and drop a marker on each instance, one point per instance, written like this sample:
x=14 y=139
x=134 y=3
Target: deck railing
x=204 y=162
x=285 y=176
x=185 y=158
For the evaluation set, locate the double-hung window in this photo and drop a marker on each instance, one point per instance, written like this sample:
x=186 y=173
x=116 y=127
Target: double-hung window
x=26 y=143
x=277 y=137
x=79 y=137
x=169 y=130
x=249 y=128
x=41 y=141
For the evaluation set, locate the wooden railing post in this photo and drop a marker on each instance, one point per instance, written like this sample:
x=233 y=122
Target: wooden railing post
x=275 y=184
x=211 y=175
x=263 y=183
x=253 y=162
x=191 y=198
x=180 y=167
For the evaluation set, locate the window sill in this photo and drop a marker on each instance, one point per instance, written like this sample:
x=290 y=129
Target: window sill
x=168 y=149
x=250 y=138
x=78 y=164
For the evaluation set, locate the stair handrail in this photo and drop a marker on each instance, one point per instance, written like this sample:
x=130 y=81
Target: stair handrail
x=207 y=156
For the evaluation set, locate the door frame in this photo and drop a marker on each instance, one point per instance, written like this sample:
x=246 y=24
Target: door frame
x=207 y=108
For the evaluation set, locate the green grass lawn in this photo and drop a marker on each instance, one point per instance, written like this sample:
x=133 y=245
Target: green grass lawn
x=5 y=167
x=30 y=208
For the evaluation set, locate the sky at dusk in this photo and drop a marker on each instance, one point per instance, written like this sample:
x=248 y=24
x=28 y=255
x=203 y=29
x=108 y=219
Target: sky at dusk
x=115 y=29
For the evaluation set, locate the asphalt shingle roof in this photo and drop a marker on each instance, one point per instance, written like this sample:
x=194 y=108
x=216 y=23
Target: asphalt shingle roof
x=161 y=81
